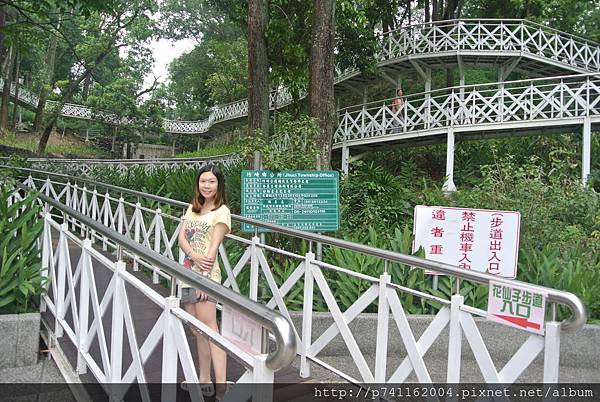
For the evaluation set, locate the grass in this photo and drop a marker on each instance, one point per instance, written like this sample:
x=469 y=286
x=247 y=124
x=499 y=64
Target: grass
x=56 y=147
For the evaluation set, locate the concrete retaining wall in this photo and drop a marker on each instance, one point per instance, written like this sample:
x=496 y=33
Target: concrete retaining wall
x=19 y=339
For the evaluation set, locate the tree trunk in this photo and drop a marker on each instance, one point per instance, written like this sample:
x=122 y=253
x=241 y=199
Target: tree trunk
x=388 y=17
x=2 y=24
x=6 y=89
x=55 y=113
x=258 y=67
x=435 y=16
x=17 y=86
x=86 y=87
x=45 y=91
x=450 y=10
x=427 y=12
x=321 y=70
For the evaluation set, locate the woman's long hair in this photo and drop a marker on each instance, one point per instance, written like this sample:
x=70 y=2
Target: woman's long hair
x=198 y=200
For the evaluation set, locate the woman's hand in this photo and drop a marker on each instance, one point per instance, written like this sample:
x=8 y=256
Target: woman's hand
x=201 y=296
x=204 y=262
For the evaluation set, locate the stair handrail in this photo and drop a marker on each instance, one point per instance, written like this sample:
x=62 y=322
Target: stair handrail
x=279 y=326
x=577 y=319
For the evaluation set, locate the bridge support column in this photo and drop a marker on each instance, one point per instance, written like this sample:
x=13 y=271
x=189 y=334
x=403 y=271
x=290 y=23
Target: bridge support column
x=449 y=183
x=345 y=159
x=586 y=151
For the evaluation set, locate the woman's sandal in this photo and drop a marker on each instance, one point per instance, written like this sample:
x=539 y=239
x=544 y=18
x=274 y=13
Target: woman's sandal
x=228 y=386
x=207 y=389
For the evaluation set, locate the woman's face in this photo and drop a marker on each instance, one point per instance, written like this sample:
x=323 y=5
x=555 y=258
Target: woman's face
x=207 y=184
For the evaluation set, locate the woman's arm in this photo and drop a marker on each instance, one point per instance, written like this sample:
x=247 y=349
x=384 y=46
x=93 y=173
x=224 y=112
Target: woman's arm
x=184 y=245
x=219 y=233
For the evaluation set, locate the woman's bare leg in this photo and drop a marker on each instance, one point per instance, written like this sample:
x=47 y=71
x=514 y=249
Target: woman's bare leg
x=202 y=346
x=207 y=313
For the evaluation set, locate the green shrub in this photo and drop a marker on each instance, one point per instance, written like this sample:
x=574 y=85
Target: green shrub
x=291 y=146
x=21 y=281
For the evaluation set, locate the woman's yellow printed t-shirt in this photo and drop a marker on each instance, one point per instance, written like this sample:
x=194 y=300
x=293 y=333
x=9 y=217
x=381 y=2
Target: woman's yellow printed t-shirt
x=199 y=231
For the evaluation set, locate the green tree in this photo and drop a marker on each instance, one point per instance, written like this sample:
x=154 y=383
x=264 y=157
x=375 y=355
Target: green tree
x=127 y=25
x=320 y=92
x=258 y=67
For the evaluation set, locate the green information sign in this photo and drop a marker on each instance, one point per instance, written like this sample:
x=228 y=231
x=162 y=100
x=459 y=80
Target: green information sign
x=300 y=199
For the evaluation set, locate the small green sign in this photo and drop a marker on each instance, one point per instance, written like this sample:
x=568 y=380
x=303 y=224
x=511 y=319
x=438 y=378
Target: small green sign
x=299 y=199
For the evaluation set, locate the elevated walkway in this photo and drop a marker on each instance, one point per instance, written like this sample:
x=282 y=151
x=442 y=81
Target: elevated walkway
x=87 y=167
x=508 y=45
x=538 y=106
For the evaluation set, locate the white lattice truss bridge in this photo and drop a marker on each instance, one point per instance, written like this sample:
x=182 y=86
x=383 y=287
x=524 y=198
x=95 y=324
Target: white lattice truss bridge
x=96 y=167
x=525 y=45
x=476 y=110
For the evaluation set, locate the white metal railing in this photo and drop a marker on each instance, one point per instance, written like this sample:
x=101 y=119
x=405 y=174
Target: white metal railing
x=521 y=37
x=497 y=35
x=494 y=106
x=87 y=167
x=80 y=309
x=311 y=274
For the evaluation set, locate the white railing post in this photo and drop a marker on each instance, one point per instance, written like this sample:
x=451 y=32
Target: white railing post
x=137 y=215
x=157 y=237
x=116 y=335
x=307 y=315
x=169 y=352
x=74 y=202
x=83 y=306
x=121 y=213
x=383 y=314
x=106 y=207
x=84 y=207
x=67 y=200
x=455 y=340
x=262 y=378
x=46 y=257
x=63 y=260
x=94 y=214
x=254 y=268
x=551 y=352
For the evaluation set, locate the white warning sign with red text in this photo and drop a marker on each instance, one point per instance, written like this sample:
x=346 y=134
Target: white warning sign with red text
x=475 y=239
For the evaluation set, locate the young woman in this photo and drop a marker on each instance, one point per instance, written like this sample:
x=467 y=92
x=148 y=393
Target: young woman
x=398 y=101
x=203 y=229
x=397 y=105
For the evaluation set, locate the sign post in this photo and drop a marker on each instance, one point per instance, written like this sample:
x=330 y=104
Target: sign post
x=305 y=200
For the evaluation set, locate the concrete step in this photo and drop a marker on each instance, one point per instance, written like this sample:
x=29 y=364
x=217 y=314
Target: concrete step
x=39 y=382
